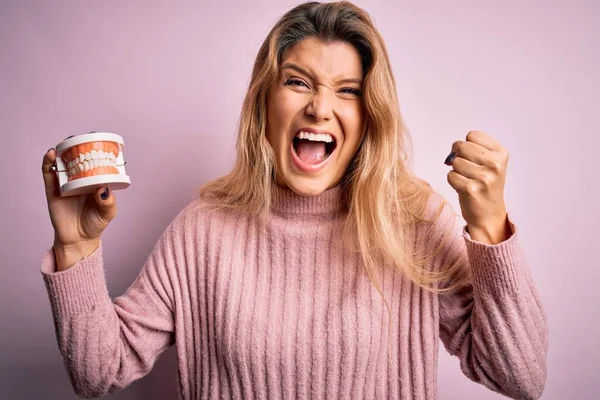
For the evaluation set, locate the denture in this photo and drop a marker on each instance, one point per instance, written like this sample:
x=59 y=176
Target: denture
x=88 y=161
x=91 y=159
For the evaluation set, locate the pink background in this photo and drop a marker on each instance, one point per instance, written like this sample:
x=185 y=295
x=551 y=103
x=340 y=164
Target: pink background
x=170 y=77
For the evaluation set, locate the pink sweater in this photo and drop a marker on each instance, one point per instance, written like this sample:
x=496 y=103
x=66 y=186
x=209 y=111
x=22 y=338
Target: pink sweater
x=285 y=314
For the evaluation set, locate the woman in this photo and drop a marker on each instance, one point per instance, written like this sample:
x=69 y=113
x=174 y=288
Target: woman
x=320 y=267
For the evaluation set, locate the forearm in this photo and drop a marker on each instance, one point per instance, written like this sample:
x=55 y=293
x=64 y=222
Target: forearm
x=106 y=345
x=507 y=345
x=497 y=325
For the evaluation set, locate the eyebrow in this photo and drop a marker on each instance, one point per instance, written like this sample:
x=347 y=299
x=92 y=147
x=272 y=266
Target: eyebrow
x=298 y=68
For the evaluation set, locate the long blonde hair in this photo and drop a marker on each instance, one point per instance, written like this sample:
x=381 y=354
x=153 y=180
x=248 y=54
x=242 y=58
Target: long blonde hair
x=384 y=201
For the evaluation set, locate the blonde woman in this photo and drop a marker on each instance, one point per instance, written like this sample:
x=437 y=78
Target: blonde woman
x=320 y=267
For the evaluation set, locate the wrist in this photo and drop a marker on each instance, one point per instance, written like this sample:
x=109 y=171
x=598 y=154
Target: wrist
x=491 y=232
x=67 y=255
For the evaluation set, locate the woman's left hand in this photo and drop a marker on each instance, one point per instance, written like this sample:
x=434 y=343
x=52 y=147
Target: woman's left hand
x=478 y=176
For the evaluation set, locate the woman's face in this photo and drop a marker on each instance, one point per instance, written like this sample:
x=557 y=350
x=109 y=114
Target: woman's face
x=315 y=120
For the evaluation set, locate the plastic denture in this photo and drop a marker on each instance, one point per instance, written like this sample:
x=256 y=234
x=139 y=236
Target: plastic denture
x=89 y=161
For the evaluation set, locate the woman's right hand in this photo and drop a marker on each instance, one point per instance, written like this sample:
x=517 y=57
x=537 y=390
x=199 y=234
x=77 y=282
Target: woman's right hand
x=78 y=221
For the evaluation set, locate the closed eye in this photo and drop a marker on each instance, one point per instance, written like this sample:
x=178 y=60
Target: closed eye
x=353 y=91
x=295 y=82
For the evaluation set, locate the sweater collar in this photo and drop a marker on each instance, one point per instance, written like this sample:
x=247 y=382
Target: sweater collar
x=327 y=204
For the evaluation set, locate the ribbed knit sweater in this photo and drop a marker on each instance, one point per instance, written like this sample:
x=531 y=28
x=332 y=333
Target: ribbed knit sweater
x=286 y=313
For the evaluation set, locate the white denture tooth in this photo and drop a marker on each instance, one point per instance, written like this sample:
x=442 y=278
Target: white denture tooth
x=100 y=153
x=81 y=157
x=88 y=156
x=94 y=154
x=86 y=165
x=72 y=171
x=80 y=167
x=92 y=163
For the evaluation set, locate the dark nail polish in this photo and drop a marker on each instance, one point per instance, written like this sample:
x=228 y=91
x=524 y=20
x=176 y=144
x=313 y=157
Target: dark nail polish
x=104 y=194
x=449 y=159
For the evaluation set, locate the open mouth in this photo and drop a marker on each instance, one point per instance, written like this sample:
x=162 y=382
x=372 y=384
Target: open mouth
x=93 y=158
x=313 y=148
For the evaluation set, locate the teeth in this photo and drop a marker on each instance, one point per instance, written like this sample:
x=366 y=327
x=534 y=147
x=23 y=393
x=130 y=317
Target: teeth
x=90 y=160
x=315 y=137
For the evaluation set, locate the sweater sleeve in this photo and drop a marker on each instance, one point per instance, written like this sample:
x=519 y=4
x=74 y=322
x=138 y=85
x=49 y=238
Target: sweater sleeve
x=105 y=344
x=496 y=324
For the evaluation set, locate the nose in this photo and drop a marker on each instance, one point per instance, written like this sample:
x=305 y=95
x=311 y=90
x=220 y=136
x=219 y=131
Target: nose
x=320 y=107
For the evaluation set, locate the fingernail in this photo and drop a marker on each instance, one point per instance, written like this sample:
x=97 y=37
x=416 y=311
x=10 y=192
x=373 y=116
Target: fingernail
x=104 y=194
x=449 y=159
x=50 y=149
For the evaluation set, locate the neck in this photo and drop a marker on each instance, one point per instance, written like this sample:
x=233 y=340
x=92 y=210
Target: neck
x=289 y=204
